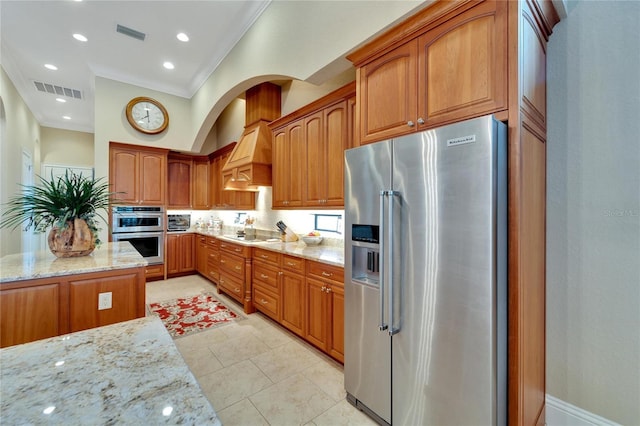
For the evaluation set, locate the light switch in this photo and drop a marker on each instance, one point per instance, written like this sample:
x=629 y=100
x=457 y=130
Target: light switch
x=104 y=301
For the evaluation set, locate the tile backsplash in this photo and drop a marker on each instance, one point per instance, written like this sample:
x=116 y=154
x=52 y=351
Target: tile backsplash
x=300 y=221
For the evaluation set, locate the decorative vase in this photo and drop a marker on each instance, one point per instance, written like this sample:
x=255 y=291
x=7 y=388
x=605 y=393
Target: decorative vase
x=75 y=239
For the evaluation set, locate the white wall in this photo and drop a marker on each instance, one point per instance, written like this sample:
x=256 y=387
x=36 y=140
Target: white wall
x=593 y=210
x=20 y=131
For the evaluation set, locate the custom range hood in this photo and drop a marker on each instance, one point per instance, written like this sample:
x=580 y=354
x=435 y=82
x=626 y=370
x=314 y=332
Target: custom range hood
x=249 y=165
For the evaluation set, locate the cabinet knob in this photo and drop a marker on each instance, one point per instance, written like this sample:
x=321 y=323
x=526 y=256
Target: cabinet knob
x=410 y=123
x=420 y=121
x=323 y=289
x=237 y=290
x=223 y=261
x=238 y=268
x=264 y=302
x=328 y=290
x=264 y=256
x=326 y=274
x=263 y=276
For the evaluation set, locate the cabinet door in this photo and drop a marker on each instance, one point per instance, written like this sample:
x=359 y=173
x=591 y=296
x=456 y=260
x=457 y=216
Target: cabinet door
x=200 y=185
x=315 y=161
x=244 y=200
x=336 y=142
x=173 y=254
x=463 y=65
x=293 y=302
x=335 y=344
x=280 y=169
x=296 y=159
x=153 y=175
x=179 y=178
x=387 y=98
x=28 y=314
x=187 y=252
x=316 y=313
x=201 y=255
x=123 y=174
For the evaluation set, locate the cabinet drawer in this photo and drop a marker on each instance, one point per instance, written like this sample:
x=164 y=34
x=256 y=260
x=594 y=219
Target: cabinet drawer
x=213 y=274
x=235 y=249
x=231 y=286
x=232 y=264
x=213 y=256
x=265 y=302
x=212 y=241
x=326 y=272
x=266 y=256
x=267 y=276
x=295 y=264
x=153 y=271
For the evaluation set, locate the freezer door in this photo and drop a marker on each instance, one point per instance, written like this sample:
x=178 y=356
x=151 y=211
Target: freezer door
x=367 y=364
x=446 y=351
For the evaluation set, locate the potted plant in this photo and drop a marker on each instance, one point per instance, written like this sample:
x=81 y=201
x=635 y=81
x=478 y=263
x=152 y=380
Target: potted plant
x=69 y=205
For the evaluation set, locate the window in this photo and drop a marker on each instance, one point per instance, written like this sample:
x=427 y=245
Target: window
x=328 y=222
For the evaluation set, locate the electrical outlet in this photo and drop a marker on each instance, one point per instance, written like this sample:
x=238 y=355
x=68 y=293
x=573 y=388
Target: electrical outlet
x=104 y=301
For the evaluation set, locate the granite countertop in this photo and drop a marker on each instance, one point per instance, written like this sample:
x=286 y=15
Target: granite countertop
x=329 y=254
x=43 y=264
x=126 y=373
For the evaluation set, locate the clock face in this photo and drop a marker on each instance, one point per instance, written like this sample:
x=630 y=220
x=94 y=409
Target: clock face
x=147 y=115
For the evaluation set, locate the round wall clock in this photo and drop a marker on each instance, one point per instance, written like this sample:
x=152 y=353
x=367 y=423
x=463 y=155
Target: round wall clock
x=147 y=115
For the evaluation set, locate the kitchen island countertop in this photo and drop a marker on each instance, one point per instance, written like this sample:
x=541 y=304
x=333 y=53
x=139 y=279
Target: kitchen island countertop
x=44 y=264
x=125 y=373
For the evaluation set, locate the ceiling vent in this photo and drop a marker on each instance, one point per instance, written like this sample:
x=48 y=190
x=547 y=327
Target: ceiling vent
x=57 y=90
x=130 y=32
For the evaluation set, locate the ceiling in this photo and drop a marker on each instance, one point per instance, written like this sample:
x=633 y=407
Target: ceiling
x=35 y=33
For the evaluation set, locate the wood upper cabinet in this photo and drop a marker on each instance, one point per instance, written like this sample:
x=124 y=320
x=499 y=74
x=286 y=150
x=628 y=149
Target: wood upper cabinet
x=326 y=140
x=288 y=164
x=226 y=200
x=308 y=152
x=456 y=69
x=138 y=175
x=200 y=193
x=387 y=88
x=181 y=253
x=179 y=182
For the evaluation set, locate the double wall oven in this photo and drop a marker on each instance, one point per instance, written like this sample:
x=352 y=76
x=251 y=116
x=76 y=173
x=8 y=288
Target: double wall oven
x=143 y=227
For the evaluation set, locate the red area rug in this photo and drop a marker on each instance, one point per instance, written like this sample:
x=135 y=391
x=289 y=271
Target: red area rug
x=190 y=315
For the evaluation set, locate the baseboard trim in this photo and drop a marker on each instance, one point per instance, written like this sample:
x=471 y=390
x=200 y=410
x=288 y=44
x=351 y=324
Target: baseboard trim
x=561 y=413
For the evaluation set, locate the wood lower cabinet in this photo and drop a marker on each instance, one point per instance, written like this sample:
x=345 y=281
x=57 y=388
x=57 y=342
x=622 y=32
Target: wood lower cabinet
x=47 y=307
x=456 y=69
x=84 y=310
x=154 y=272
x=235 y=273
x=201 y=254
x=293 y=294
x=138 y=175
x=180 y=254
x=32 y=313
x=325 y=308
x=266 y=282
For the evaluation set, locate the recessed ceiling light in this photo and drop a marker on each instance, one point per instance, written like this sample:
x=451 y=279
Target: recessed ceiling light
x=50 y=67
x=79 y=37
x=61 y=100
x=168 y=65
x=182 y=37
x=66 y=117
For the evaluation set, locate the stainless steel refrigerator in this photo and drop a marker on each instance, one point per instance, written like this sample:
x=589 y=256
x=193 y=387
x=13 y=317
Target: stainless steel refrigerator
x=426 y=276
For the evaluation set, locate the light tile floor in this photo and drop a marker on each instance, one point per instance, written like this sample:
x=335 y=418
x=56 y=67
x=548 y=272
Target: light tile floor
x=255 y=372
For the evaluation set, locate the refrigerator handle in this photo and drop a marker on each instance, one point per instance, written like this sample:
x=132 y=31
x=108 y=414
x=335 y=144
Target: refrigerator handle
x=382 y=326
x=392 y=329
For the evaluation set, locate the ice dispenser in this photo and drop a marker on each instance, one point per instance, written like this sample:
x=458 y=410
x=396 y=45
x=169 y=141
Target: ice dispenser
x=366 y=253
